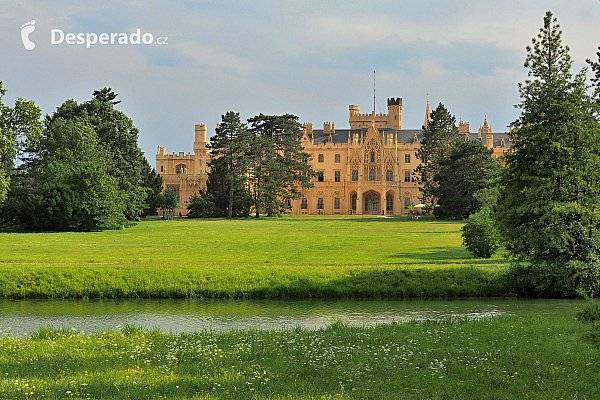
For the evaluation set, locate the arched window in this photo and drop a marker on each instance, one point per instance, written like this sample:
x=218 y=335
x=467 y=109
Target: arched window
x=353 y=202
x=389 y=203
x=372 y=156
x=181 y=169
x=372 y=202
x=372 y=175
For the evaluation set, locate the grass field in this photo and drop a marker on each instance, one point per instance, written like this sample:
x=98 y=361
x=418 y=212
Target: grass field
x=500 y=358
x=292 y=256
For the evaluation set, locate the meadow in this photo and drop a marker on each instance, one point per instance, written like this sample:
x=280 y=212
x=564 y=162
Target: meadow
x=499 y=358
x=287 y=257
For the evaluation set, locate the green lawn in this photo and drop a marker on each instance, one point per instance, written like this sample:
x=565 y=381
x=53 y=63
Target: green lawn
x=500 y=358
x=292 y=256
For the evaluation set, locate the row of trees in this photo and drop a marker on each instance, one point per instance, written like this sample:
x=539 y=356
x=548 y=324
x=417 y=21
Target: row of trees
x=80 y=168
x=256 y=166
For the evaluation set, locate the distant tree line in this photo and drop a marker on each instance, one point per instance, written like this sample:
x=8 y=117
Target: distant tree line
x=79 y=169
x=256 y=167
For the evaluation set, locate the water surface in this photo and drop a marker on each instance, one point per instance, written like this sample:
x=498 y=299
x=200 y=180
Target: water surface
x=21 y=317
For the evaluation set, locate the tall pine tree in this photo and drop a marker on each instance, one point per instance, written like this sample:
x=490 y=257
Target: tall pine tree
x=550 y=189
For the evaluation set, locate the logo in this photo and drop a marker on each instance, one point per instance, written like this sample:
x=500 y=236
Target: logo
x=26 y=30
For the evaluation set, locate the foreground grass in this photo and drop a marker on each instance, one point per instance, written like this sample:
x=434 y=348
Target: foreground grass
x=293 y=257
x=501 y=358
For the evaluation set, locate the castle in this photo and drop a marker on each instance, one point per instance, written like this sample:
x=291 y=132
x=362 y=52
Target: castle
x=367 y=169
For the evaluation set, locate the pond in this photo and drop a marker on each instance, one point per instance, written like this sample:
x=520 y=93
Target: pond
x=21 y=317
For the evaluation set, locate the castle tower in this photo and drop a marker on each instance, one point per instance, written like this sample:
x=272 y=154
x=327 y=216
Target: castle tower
x=394 y=113
x=486 y=128
x=200 y=139
x=427 y=114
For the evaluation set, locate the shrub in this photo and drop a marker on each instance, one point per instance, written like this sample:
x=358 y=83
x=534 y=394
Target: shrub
x=479 y=235
x=590 y=312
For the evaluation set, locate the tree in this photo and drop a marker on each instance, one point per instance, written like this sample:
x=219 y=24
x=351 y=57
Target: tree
x=480 y=235
x=280 y=167
x=169 y=201
x=437 y=137
x=201 y=206
x=229 y=166
x=64 y=184
x=19 y=128
x=117 y=134
x=153 y=184
x=465 y=170
x=550 y=189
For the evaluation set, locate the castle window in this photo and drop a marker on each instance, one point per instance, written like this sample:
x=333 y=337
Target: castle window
x=337 y=176
x=320 y=177
x=406 y=176
x=162 y=168
x=407 y=158
x=304 y=204
x=180 y=169
x=372 y=175
x=321 y=158
x=389 y=176
x=288 y=202
x=320 y=204
x=354 y=175
x=406 y=202
x=372 y=156
x=338 y=158
x=389 y=203
x=336 y=203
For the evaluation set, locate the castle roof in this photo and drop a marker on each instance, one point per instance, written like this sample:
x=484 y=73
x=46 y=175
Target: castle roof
x=342 y=135
x=497 y=138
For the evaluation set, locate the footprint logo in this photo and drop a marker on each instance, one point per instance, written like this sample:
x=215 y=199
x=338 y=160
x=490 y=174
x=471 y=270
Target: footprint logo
x=26 y=29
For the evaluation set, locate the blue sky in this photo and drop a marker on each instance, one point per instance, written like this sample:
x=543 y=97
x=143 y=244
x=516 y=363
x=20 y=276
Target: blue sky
x=309 y=58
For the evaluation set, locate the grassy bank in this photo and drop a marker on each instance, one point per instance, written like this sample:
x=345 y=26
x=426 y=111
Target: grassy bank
x=507 y=358
x=291 y=257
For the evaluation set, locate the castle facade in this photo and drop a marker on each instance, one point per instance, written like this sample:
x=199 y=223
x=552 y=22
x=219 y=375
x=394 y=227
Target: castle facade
x=367 y=169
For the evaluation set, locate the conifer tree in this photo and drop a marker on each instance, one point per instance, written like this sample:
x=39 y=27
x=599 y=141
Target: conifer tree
x=550 y=189
x=437 y=137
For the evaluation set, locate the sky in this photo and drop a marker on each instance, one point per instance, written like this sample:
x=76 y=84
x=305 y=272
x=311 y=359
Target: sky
x=308 y=58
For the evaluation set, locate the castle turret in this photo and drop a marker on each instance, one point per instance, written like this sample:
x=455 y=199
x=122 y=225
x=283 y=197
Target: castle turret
x=427 y=114
x=200 y=138
x=464 y=127
x=394 y=113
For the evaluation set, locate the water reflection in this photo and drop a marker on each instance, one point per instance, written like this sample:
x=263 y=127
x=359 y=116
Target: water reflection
x=21 y=317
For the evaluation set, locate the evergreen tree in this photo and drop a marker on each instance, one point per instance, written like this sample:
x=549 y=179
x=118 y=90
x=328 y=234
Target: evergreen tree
x=437 y=137
x=550 y=189
x=153 y=184
x=229 y=166
x=465 y=170
x=280 y=167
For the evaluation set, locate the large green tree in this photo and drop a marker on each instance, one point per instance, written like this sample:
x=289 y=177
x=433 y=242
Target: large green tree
x=64 y=183
x=465 y=170
x=117 y=134
x=229 y=166
x=280 y=168
x=437 y=138
x=550 y=189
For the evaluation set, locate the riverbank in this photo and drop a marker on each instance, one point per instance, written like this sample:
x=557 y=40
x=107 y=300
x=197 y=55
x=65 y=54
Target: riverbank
x=272 y=258
x=489 y=359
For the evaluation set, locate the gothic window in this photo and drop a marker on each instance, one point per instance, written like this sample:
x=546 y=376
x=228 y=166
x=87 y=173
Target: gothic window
x=372 y=156
x=353 y=202
x=321 y=158
x=389 y=176
x=389 y=203
x=372 y=202
x=162 y=168
x=320 y=204
x=180 y=169
x=406 y=202
x=320 y=177
x=336 y=203
x=337 y=176
x=407 y=158
x=406 y=176
x=337 y=158
x=372 y=175
x=304 y=204
x=354 y=175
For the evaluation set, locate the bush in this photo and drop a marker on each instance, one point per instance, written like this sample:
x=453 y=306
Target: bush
x=590 y=312
x=201 y=206
x=480 y=236
x=541 y=279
